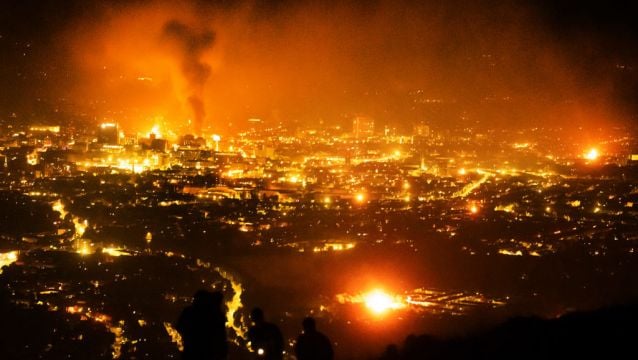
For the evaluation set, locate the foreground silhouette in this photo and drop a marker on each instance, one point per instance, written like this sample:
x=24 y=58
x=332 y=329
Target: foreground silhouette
x=609 y=333
x=311 y=344
x=265 y=338
x=202 y=326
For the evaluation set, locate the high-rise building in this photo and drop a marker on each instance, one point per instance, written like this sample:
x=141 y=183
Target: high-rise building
x=362 y=127
x=108 y=134
x=421 y=129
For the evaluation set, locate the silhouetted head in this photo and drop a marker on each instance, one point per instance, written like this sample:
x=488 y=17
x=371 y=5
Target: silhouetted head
x=257 y=315
x=201 y=297
x=217 y=298
x=309 y=324
x=205 y=298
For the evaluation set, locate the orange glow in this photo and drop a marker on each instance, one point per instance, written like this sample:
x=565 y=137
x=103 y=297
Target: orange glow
x=133 y=64
x=474 y=209
x=376 y=301
x=155 y=131
x=360 y=197
x=379 y=302
x=7 y=259
x=592 y=154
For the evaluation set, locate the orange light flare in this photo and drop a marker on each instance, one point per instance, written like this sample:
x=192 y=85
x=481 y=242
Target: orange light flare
x=360 y=198
x=474 y=209
x=592 y=155
x=155 y=131
x=377 y=301
x=380 y=302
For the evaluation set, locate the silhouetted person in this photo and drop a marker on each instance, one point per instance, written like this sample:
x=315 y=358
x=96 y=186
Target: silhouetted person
x=311 y=344
x=202 y=326
x=265 y=338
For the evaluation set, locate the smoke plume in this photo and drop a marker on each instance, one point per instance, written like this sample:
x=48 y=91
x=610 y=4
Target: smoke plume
x=190 y=45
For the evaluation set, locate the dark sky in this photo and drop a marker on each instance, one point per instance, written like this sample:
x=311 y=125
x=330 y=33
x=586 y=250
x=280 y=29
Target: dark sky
x=499 y=61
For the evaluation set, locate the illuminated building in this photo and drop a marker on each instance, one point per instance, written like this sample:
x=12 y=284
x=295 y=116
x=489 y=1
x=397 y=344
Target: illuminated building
x=362 y=127
x=129 y=139
x=153 y=143
x=44 y=128
x=192 y=141
x=108 y=134
x=216 y=139
x=421 y=129
x=255 y=124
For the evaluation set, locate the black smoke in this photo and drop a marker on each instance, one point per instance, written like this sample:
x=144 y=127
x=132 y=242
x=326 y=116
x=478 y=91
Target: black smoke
x=190 y=45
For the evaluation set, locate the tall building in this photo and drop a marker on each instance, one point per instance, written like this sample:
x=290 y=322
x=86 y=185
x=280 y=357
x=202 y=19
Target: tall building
x=108 y=134
x=362 y=127
x=421 y=130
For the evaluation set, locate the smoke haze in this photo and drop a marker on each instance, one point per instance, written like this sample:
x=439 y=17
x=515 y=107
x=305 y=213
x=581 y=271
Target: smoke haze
x=443 y=62
x=189 y=46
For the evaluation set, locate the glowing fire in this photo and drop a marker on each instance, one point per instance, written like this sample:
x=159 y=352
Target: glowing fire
x=59 y=207
x=474 y=209
x=592 y=154
x=376 y=301
x=155 y=130
x=7 y=259
x=80 y=227
x=379 y=302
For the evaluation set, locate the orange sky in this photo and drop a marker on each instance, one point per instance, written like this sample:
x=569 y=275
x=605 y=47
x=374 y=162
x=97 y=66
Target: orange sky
x=307 y=62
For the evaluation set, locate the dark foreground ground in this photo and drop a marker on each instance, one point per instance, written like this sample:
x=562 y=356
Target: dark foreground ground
x=608 y=333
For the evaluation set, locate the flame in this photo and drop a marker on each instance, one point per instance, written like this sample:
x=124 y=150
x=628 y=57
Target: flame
x=7 y=259
x=592 y=154
x=474 y=209
x=59 y=207
x=155 y=130
x=377 y=301
x=80 y=227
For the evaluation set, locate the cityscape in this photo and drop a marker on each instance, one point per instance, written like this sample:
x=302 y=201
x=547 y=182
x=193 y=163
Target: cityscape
x=432 y=215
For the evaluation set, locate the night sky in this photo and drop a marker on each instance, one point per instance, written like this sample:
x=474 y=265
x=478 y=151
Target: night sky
x=300 y=61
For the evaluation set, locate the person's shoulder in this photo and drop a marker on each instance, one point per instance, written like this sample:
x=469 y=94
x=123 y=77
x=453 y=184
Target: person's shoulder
x=323 y=337
x=252 y=331
x=271 y=327
x=187 y=311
